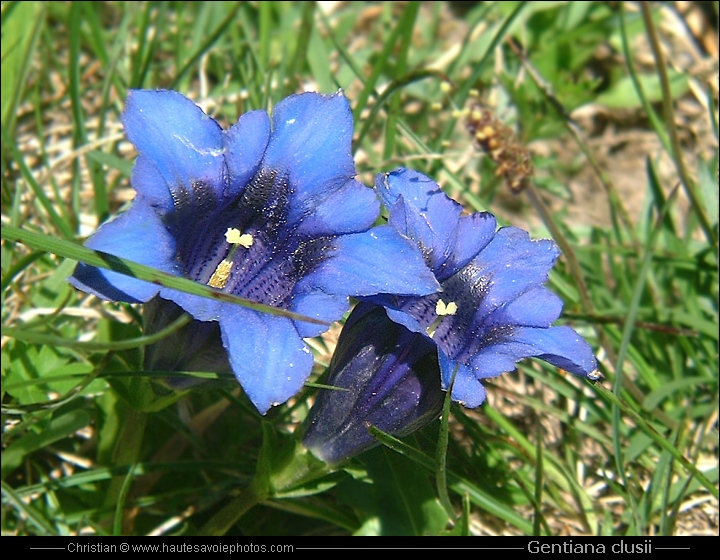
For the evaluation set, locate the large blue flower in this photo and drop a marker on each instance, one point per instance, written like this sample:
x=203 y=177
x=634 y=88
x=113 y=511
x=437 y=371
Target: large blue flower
x=268 y=210
x=493 y=309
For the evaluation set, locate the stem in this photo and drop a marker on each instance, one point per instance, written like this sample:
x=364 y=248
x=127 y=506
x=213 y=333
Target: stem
x=565 y=248
x=574 y=130
x=669 y=115
x=441 y=453
x=233 y=512
x=127 y=452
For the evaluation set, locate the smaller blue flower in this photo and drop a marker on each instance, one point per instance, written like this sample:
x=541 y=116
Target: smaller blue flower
x=493 y=309
x=382 y=375
x=268 y=210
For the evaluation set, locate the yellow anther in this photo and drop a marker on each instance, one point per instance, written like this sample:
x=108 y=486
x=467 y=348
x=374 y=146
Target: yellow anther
x=460 y=113
x=246 y=240
x=234 y=237
x=442 y=309
x=436 y=106
x=445 y=87
x=221 y=275
x=473 y=93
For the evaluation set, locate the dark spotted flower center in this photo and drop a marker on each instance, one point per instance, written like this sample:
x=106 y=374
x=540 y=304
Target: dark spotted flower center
x=450 y=316
x=247 y=247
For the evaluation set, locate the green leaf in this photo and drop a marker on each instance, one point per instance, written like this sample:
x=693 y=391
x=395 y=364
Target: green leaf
x=403 y=500
x=27 y=511
x=112 y=161
x=658 y=395
x=709 y=187
x=31 y=372
x=623 y=95
x=21 y=26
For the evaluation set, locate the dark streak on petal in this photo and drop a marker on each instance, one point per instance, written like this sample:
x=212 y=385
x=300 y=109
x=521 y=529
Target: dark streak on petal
x=310 y=254
x=267 y=196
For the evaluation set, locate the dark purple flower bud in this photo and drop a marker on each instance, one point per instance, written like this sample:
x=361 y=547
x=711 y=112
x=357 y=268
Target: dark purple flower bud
x=383 y=375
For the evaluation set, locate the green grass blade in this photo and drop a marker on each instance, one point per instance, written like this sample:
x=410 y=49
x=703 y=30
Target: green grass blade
x=27 y=511
x=22 y=23
x=100 y=259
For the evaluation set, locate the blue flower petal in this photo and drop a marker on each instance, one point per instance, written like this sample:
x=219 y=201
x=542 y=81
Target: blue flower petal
x=473 y=234
x=376 y=261
x=404 y=319
x=137 y=235
x=311 y=142
x=423 y=195
x=268 y=356
x=421 y=211
x=318 y=305
x=201 y=308
x=513 y=263
x=349 y=209
x=245 y=145
x=467 y=389
x=559 y=346
x=151 y=186
x=538 y=307
x=184 y=144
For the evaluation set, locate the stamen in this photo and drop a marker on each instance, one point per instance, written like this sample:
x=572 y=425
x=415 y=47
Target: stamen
x=221 y=275
x=234 y=237
x=442 y=310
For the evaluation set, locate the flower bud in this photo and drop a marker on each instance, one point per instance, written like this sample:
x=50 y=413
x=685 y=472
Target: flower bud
x=381 y=375
x=196 y=346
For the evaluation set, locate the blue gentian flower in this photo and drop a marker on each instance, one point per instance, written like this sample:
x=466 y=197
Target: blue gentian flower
x=396 y=354
x=382 y=375
x=268 y=210
x=493 y=309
